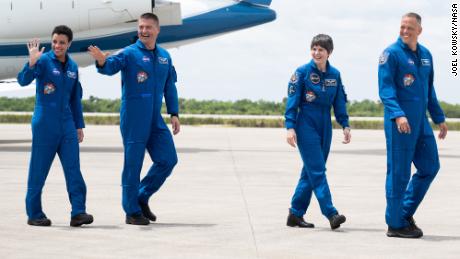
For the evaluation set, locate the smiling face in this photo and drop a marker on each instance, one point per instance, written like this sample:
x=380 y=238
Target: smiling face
x=147 y=31
x=319 y=56
x=60 y=44
x=409 y=31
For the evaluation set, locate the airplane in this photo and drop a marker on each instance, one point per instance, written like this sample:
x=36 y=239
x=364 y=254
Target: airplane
x=112 y=24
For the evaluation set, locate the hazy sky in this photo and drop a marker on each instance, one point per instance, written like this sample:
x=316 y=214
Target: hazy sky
x=257 y=63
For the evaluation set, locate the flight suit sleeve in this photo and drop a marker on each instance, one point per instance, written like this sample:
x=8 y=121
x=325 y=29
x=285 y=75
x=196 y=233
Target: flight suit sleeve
x=75 y=105
x=340 y=105
x=387 y=86
x=294 y=96
x=435 y=110
x=28 y=74
x=170 y=92
x=113 y=63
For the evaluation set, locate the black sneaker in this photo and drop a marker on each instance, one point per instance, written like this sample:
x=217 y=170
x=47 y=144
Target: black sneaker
x=80 y=219
x=294 y=221
x=406 y=232
x=137 y=220
x=336 y=220
x=147 y=212
x=43 y=222
x=413 y=226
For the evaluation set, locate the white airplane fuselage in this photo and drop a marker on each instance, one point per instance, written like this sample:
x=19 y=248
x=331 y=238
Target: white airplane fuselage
x=112 y=24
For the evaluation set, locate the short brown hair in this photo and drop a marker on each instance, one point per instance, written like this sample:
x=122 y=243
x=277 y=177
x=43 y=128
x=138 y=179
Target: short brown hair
x=324 y=41
x=417 y=17
x=150 y=16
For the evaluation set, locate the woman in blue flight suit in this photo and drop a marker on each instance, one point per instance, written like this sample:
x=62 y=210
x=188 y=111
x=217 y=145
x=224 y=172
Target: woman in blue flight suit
x=57 y=125
x=312 y=90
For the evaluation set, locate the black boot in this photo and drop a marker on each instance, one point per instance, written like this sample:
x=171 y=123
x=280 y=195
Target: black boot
x=336 y=220
x=413 y=226
x=43 y=222
x=406 y=232
x=294 y=221
x=147 y=212
x=80 y=219
x=137 y=220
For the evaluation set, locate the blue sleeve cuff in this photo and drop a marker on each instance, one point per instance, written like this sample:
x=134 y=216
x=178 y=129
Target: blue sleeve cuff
x=102 y=69
x=28 y=68
x=438 y=119
x=79 y=125
x=395 y=115
x=290 y=125
x=345 y=124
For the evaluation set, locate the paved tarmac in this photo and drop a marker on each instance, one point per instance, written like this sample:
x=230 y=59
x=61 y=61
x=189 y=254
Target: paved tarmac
x=227 y=198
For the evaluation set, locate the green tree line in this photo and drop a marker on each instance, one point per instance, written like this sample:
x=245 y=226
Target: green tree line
x=366 y=108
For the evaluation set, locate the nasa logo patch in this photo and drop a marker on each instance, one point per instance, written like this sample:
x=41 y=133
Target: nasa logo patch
x=162 y=60
x=408 y=80
x=310 y=96
x=49 y=88
x=141 y=77
x=383 y=58
x=314 y=78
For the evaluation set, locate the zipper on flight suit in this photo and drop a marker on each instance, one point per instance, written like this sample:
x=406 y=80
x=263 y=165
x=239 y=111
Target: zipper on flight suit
x=418 y=59
x=323 y=85
x=62 y=90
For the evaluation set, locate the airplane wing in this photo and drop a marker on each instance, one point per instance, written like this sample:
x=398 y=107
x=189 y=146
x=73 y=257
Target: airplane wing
x=112 y=24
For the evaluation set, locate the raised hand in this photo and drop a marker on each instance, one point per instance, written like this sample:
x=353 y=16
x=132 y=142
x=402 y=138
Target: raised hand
x=34 y=52
x=98 y=55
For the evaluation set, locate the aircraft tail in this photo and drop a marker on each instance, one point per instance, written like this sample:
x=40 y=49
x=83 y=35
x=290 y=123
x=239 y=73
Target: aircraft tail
x=258 y=2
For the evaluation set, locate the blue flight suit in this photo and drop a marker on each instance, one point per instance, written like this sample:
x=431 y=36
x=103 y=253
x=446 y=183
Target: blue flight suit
x=406 y=89
x=57 y=116
x=311 y=94
x=146 y=77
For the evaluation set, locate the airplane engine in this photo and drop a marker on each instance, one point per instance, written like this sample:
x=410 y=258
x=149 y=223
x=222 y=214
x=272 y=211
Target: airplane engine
x=112 y=24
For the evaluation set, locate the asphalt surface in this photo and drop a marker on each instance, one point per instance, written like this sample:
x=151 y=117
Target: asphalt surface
x=227 y=198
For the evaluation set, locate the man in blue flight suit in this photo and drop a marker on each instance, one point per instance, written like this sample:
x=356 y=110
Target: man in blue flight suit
x=406 y=90
x=313 y=90
x=147 y=75
x=57 y=125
